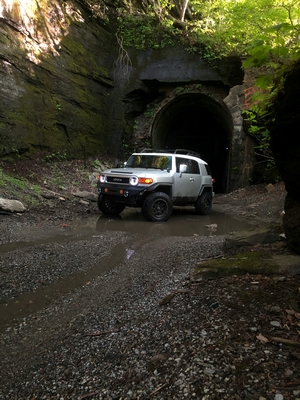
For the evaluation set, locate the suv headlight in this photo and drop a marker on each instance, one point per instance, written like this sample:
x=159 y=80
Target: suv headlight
x=146 y=181
x=133 y=180
x=102 y=178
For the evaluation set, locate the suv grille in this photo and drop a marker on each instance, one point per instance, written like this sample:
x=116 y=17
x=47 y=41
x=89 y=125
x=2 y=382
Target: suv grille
x=117 y=179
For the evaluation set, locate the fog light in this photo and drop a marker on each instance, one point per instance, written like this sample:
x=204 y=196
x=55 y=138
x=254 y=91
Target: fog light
x=106 y=190
x=126 y=194
x=121 y=191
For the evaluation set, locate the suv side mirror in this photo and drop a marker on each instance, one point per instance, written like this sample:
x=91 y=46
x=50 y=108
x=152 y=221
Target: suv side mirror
x=182 y=168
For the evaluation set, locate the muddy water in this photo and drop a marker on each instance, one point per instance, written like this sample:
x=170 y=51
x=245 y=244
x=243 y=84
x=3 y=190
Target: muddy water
x=182 y=223
x=29 y=303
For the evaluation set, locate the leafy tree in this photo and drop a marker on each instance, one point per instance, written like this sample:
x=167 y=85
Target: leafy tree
x=264 y=32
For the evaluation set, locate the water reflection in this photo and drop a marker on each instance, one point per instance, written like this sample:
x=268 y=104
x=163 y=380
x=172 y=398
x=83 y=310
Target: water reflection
x=183 y=222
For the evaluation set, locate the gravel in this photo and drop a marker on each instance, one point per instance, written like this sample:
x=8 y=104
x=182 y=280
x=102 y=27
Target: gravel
x=141 y=328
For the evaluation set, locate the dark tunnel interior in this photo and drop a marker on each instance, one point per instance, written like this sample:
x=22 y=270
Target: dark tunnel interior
x=197 y=122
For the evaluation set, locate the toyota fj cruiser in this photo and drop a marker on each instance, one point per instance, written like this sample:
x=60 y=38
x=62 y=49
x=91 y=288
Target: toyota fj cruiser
x=155 y=180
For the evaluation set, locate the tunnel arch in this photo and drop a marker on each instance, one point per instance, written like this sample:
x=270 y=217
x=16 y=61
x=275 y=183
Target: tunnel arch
x=197 y=122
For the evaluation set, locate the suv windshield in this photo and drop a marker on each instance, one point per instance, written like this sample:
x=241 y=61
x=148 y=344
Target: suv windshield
x=149 y=161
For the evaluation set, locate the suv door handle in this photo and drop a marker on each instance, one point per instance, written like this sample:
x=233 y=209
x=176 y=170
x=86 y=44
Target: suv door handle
x=192 y=179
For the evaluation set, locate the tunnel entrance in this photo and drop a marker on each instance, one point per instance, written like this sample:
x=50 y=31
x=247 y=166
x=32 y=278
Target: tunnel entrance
x=196 y=122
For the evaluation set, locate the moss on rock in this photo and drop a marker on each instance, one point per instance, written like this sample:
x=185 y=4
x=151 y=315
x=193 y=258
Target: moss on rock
x=252 y=262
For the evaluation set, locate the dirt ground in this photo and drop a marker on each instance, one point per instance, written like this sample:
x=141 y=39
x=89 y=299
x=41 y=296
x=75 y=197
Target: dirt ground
x=49 y=352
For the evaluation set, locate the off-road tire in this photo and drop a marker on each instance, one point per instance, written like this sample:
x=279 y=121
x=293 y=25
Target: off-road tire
x=203 y=204
x=157 y=207
x=109 y=207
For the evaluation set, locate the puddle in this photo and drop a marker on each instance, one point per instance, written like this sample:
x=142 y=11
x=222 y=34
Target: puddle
x=29 y=303
x=11 y=246
x=183 y=222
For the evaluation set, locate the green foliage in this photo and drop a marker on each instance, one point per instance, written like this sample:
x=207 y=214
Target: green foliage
x=57 y=181
x=18 y=188
x=272 y=51
x=259 y=132
x=56 y=156
x=264 y=32
x=6 y=180
x=146 y=32
x=127 y=149
x=180 y=90
x=96 y=164
x=150 y=111
x=135 y=125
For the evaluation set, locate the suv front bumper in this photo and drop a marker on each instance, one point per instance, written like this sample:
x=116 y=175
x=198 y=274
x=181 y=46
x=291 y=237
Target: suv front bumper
x=122 y=194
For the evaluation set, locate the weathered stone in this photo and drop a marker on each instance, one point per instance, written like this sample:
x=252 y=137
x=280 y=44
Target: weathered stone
x=247 y=262
x=269 y=187
x=84 y=203
x=204 y=274
x=11 y=205
x=242 y=156
x=86 y=195
x=211 y=227
x=172 y=64
x=251 y=237
x=49 y=194
x=54 y=80
x=289 y=264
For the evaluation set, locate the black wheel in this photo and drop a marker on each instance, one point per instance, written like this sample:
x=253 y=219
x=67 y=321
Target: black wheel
x=109 y=207
x=204 y=204
x=157 y=207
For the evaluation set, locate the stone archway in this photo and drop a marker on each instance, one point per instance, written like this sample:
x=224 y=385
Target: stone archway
x=176 y=99
x=196 y=121
x=202 y=118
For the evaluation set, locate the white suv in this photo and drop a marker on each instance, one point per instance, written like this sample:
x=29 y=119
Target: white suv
x=155 y=180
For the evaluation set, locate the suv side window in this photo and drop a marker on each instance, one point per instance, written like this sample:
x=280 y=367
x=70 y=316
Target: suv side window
x=184 y=161
x=206 y=169
x=194 y=167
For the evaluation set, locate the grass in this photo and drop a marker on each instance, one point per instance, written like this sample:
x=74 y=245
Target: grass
x=18 y=189
x=25 y=180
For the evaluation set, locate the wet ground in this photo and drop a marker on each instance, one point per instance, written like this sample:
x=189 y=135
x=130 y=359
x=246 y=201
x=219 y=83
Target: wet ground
x=101 y=308
x=183 y=222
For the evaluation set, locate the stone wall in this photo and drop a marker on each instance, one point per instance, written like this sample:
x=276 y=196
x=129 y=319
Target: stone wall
x=242 y=152
x=55 y=79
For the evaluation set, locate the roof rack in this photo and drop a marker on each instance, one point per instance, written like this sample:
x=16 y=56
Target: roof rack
x=187 y=152
x=176 y=151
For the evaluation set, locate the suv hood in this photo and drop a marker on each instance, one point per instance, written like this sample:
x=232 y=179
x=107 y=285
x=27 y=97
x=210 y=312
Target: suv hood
x=141 y=172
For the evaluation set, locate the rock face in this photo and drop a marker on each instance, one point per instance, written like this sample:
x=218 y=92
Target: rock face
x=55 y=63
x=251 y=237
x=285 y=141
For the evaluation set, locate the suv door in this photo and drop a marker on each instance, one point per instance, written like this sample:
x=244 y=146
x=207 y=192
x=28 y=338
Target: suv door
x=186 y=184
